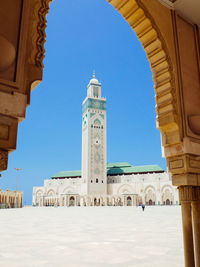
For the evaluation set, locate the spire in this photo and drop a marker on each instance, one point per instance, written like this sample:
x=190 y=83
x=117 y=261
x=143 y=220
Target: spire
x=94 y=74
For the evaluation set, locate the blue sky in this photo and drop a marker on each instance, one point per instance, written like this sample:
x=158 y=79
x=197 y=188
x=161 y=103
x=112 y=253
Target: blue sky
x=83 y=36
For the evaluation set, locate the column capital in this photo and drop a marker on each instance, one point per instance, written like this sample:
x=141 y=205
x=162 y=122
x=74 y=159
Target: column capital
x=189 y=193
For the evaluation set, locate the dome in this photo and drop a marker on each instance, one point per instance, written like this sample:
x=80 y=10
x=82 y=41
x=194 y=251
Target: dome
x=93 y=80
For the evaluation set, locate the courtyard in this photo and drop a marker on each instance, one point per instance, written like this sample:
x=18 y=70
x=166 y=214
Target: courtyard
x=91 y=236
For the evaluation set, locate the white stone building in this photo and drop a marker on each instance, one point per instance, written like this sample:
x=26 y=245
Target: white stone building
x=100 y=183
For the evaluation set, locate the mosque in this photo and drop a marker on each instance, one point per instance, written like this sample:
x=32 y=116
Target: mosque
x=99 y=183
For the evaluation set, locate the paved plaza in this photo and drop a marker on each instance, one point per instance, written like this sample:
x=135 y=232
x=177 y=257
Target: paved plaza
x=91 y=236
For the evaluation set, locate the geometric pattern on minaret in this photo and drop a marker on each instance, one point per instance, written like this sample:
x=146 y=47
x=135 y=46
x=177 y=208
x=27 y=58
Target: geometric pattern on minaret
x=94 y=147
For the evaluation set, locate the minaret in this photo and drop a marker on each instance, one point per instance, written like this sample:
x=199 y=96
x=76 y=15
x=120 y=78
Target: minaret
x=94 y=160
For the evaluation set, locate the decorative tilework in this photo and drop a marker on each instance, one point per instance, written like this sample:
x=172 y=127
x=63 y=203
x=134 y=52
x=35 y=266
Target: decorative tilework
x=102 y=116
x=92 y=114
x=97 y=121
x=94 y=103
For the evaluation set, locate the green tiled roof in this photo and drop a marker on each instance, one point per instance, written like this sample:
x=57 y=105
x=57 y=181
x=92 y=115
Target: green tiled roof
x=115 y=169
x=119 y=165
x=134 y=169
x=67 y=174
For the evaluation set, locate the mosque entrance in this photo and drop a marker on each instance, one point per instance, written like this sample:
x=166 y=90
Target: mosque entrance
x=150 y=202
x=71 y=201
x=168 y=202
x=129 y=201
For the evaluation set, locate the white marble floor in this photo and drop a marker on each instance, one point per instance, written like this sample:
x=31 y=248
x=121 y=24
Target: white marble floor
x=91 y=236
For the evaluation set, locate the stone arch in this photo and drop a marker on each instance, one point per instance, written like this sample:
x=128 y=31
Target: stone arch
x=129 y=201
x=149 y=187
x=50 y=192
x=145 y=23
x=166 y=186
x=72 y=201
x=125 y=188
x=150 y=195
x=167 y=195
x=142 y=21
x=68 y=190
x=38 y=194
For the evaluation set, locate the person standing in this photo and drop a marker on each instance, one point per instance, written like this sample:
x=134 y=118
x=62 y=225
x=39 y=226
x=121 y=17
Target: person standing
x=143 y=207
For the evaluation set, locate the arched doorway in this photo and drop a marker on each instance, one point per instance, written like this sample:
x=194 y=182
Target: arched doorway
x=150 y=202
x=71 y=201
x=167 y=195
x=150 y=195
x=129 y=201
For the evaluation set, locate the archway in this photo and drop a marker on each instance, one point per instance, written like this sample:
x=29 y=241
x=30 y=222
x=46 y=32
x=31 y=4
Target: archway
x=129 y=201
x=150 y=195
x=38 y=194
x=95 y=202
x=173 y=120
x=150 y=202
x=71 y=201
x=167 y=194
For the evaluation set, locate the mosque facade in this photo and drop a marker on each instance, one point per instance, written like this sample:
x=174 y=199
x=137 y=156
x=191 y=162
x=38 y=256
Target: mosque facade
x=99 y=183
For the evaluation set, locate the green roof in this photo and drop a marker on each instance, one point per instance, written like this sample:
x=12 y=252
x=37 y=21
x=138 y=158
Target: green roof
x=115 y=169
x=134 y=169
x=119 y=165
x=67 y=174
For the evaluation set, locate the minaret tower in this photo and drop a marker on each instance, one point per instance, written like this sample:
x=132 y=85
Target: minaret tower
x=94 y=160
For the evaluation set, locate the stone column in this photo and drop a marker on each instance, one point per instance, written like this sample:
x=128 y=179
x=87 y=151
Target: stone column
x=185 y=195
x=196 y=229
x=196 y=223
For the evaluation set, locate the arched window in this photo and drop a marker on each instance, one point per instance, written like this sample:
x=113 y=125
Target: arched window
x=97 y=180
x=91 y=181
x=102 y=181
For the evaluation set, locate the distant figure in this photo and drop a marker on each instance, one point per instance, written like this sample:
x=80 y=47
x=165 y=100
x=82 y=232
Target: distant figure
x=143 y=207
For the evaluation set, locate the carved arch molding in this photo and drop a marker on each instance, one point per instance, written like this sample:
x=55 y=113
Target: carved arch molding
x=167 y=40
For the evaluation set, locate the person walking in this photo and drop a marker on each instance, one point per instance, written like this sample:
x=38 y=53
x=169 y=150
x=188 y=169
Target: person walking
x=143 y=207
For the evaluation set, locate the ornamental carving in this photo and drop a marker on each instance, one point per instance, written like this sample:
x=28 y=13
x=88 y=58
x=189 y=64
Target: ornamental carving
x=3 y=160
x=189 y=193
x=40 y=10
x=138 y=15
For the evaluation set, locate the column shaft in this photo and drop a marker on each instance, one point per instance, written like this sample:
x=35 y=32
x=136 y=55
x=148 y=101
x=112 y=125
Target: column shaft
x=196 y=230
x=187 y=234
